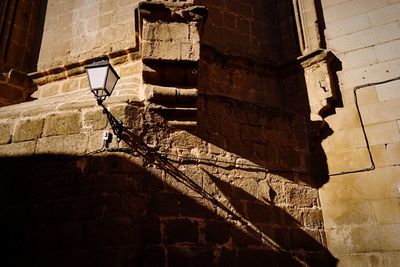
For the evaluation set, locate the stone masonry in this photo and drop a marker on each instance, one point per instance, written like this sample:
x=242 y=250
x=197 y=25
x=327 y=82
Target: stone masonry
x=255 y=133
x=360 y=208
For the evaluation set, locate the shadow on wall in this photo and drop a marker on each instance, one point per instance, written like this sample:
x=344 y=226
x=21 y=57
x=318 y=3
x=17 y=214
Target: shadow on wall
x=262 y=116
x=21 y=31
x=257 y=108
x=143 y=208
x=110 y=210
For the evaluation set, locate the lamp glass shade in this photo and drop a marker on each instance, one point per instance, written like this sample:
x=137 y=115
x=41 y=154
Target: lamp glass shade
x=97 y=77
x=111 y=81
x=102 y=78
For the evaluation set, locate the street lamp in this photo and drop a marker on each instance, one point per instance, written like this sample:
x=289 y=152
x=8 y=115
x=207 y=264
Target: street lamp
x=102 y=80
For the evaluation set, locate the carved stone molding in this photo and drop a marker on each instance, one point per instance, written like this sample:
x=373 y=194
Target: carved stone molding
x=320 y=82
x=309 y=26
x=15 y=87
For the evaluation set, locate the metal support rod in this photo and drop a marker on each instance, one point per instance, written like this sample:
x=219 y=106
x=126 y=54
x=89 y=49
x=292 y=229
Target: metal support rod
x=116 y=125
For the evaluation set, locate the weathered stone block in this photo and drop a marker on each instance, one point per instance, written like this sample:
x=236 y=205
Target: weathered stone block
x=70 y=85
x=49 y=89
x=359 y=58
x=339 y=10
x=304 y=239
x=243 y=188
x=366 y=38
x=363 y=239
x=62 y=124
x=165 y=31
x=197 y=208
x=388 y=91
x=28 y=130
x=340 y=139
x=18 y=149
x=86 y=101
x=170 y=41
x=348 y=160
x=182 y=183
x=377 y=113
x=336 y=216
x=189 y=51
x=5 y=132
x=357 y=188
x=313 y=218
x=161 y=50
x=185 y=140
x=118 y=111
x=84 y=83
x=301 y=196
x=386 y=51
x=95 y=141
x=384 y=15
x=95 y=119
x=383 y=133
x=386 y=154
x=262 y=213
x=387 y=211
x=68 y=144
x=277 y=190
x=348 y=26
x=357 y=260
x=344 y=119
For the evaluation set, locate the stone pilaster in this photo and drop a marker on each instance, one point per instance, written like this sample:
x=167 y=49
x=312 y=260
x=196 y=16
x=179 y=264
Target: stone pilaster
x=170 y=47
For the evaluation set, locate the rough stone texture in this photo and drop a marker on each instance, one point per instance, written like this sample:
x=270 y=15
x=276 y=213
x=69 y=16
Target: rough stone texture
x=18 y=149
x=170 y=41
x=89 y=29
x=94 y=120
x=70 y=144
x=61 y=124
x=257 y=183
x=29 y=129
x=245 y=28
x=5 y=132
x=179 y=211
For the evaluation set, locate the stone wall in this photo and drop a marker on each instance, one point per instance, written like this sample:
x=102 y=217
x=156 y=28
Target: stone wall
x=360 y=207
x=243 y=28
x=21 y=27
x=164 y=197
x=79 y=30
x=238 y=190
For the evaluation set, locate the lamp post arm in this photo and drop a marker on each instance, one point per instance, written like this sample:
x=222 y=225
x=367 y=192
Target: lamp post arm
x=116 y=125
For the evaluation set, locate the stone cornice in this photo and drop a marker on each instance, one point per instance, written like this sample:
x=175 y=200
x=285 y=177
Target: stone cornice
x=77 y=68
